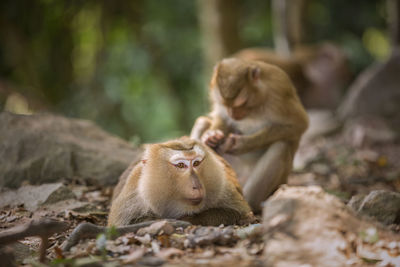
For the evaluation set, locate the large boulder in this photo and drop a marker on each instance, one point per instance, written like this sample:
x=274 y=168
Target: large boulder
x=305 y=226
x=32 y=197
x=45 y=148
x=376 y=92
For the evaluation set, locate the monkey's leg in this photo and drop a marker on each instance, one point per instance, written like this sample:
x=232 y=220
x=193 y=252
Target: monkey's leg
x=200 y=126
x=270 y=172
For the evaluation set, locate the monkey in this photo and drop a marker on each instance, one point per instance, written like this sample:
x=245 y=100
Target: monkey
x=256 y=122
x=179 y=179
x=294 y=66
x=319 y=72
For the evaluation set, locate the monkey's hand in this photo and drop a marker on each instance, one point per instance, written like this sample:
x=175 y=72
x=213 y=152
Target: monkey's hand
x=234 y=144
x=213 y=138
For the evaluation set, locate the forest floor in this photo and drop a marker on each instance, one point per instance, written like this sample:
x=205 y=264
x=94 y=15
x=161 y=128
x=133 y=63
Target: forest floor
x=340 y=169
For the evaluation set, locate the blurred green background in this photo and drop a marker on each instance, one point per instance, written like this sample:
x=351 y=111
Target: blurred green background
x=137 y=68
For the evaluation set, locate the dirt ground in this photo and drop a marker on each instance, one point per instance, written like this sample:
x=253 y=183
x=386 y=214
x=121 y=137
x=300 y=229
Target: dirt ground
x=339 y=168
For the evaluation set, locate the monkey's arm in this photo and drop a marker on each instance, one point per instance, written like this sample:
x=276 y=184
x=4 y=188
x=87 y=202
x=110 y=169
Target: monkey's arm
x=201 y=125
x=128 y=209
x=210 y=130
x=239 y=144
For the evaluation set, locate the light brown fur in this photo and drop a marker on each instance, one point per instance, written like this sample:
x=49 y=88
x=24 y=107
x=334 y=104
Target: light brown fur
x=319 y=72
x=154 y=188
x=256 y=123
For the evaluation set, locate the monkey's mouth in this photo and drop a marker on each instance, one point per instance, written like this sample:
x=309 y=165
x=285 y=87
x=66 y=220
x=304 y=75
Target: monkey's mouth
x=195 y=201
x=237 y=113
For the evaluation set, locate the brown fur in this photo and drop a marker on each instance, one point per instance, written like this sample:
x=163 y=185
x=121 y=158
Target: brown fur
x=256 y=123
x=154 y=188
x=319 y=72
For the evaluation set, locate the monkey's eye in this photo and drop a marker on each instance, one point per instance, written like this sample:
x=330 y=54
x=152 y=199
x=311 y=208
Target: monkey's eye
x=196 y=163
x=180 y=165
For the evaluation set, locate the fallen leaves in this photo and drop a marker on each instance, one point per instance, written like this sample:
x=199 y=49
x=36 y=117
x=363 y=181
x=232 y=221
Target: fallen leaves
x=340 y=169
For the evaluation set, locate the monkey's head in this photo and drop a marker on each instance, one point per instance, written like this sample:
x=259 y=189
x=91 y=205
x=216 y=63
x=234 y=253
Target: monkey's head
x=180 y=177
x=243 y=87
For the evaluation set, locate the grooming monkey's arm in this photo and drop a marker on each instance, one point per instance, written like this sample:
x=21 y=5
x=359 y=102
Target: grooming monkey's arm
x=201 y=125
x=271 y=134
x=238 y=144
x=210 y=130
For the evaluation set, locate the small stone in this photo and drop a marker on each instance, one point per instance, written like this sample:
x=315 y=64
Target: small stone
x=151 y=261
x=161 y=227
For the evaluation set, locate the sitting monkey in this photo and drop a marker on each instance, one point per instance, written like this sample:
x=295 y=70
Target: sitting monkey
x=256 y=123
x=179 y=179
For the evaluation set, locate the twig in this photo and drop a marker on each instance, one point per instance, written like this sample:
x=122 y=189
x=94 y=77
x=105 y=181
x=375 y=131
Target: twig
x=88 y=230
x=43 y=228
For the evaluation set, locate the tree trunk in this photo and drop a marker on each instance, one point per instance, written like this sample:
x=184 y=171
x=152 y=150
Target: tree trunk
x=288 y=24
x=393 y=7
x=219 y=25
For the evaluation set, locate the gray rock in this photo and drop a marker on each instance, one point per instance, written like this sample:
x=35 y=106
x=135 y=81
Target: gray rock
x=368 y=130
x=355 y=201
x=46 y=148
x=375 y=92
x=382 y=205
x=322 y=122
x=32 y=197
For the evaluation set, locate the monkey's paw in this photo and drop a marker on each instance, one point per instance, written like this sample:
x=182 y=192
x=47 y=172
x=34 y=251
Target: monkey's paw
x=233 y=144
x=213 y=138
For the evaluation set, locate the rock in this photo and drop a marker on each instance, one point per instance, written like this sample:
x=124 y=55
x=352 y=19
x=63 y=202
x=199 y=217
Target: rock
x=32 y=197
x=46 y=148
x=151 y=261
x=305 y=226
x=204 y=236
x=355 y=201
x=161 y=227
x=382 y=205
x=250 y=231
x=375 y=92
x=368 y=130
x=322 y=122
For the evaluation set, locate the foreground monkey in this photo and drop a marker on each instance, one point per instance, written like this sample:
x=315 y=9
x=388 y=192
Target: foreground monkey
x=256 y=123
x=180 y=179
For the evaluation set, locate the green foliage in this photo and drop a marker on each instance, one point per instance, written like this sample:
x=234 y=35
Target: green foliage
x=135 y=67
x=111 y=232
x=349 y=24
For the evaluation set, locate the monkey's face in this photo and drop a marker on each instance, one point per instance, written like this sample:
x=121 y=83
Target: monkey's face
x=236 y=84
x=175 y=181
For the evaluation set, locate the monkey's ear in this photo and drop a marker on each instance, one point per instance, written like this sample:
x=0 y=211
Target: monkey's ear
x=254 y=73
